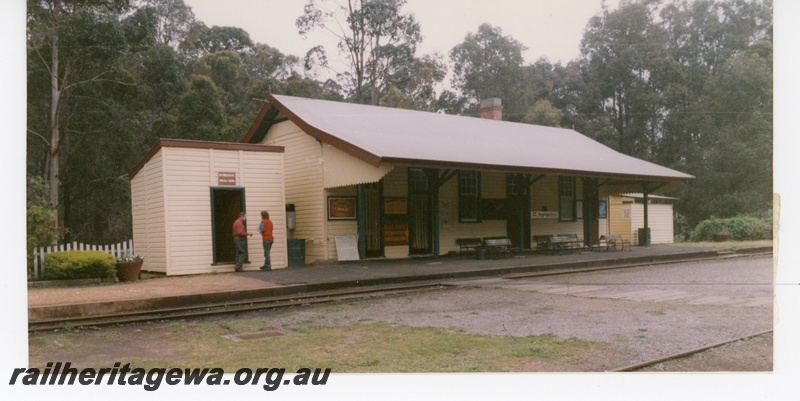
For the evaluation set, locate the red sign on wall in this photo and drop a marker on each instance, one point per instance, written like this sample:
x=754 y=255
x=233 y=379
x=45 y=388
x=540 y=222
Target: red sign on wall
x=226 y=178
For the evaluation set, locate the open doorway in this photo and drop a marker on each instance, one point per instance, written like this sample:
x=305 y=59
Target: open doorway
x=420 y=214
x=518 y=222
x=226 y=204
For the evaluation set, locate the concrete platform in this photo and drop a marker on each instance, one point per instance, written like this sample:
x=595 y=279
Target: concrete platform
x=165 y=292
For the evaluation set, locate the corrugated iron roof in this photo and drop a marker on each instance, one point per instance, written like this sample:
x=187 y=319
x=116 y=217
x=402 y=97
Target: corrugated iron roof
x=404 y=137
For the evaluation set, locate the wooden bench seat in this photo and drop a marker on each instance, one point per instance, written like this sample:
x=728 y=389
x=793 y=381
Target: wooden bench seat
x=466 y=244
x=612 y=241
x=498 y=246
x=542 y=242
x=565 y=242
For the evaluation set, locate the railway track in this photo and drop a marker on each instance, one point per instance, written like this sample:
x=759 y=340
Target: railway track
x=256 y=304
x=231 y=307
x=685 y=354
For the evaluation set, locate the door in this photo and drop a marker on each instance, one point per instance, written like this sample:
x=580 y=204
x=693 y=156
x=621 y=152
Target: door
x=420 y=215
x=373 y=224
x=226 y=204
x=591 y=223
x=518 y=222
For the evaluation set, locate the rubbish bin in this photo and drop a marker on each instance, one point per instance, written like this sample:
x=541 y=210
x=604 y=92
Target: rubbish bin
x=481 y=253
x=644 y=237
x=297 y=252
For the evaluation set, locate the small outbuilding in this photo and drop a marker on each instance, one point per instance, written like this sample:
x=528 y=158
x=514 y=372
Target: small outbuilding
x=626 y=217
x=185 y=196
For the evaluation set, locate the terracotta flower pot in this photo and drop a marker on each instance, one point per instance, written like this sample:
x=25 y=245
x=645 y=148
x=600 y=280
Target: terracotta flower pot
x=129 y=271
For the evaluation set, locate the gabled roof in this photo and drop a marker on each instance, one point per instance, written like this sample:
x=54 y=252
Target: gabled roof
x=400 y=137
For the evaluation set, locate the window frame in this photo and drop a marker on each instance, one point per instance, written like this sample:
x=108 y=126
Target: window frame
x=566 y=189
x=469 y=191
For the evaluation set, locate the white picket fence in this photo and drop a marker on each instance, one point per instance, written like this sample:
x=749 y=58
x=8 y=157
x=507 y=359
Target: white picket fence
x=38 y=254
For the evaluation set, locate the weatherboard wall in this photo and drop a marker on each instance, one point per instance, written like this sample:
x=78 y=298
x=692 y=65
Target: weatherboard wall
x=304 y=187
x=172 y=210
x=148 y=215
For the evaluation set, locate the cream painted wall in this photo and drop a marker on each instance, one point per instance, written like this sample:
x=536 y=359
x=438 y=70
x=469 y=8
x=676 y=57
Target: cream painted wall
x=304 y=182
x=171 y=206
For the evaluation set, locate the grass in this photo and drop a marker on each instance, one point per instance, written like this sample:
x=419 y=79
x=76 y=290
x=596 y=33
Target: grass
x=354 y=348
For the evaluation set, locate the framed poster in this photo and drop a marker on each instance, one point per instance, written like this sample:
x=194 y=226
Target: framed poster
x=602 y=211
x=341 y=208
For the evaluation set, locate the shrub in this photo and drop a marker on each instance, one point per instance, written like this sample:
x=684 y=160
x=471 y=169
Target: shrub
x=41 y=218
x=79 y=264
x=743 y=228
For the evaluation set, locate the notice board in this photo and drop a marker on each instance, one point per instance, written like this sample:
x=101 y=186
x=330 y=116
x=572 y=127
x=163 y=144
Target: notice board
x=395 y=231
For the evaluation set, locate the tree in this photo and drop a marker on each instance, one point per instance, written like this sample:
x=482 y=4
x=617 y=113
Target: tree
x=268 y=63
x=543 y=113
x=489 y=64
x=203 y=40
x=701 y=36
x=374 y=35
x=736 y=172
x=84 y=42
x=621 y=50
x=174 y=20
x=41 y=217
x=450 y=102
x=297 y=85
x=162 y=78
x=665 y=80
x=201 y=115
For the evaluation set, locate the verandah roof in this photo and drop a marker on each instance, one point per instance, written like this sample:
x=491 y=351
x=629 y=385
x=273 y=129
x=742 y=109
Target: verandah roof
x=382 y=135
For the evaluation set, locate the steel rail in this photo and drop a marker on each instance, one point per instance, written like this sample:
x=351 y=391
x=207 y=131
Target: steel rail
x=230 y=307
x=684 y=354
x=256 y=304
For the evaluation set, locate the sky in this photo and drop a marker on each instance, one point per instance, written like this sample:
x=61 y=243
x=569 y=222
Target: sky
x=548 y=28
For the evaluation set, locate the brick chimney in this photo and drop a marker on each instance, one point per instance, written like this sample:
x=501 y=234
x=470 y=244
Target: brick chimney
x=492 y=108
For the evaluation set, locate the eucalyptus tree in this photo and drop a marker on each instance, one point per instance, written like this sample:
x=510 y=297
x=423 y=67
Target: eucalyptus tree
x=622 y=51
x=375 y=36
x=543 y=113
x=490 y=64
x=701 y=36
x=76 y=43
x=734 y=176
x=411 y=82
x=174 y=20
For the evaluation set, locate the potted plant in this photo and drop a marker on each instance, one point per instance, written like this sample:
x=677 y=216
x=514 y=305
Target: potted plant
x=129 y=266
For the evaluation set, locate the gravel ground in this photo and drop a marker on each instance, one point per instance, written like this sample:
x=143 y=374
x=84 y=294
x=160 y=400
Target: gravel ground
x=643 y=313
x=609 y=306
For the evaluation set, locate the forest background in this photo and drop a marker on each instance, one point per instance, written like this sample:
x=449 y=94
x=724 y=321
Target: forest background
x=685 y=84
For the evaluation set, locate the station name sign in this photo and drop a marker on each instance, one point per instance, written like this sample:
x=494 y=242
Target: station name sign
x=544 y=215
x=224 y=178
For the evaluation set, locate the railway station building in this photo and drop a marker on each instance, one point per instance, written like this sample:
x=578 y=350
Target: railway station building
x=379 y=182
x=346 y=181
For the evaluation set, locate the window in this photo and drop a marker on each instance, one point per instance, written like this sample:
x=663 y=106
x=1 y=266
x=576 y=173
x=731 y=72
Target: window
x=468 y=196
x=515 y=184
x=566 y=198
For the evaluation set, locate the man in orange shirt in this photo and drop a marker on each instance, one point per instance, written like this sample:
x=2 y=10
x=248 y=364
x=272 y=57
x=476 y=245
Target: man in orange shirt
x=265 y=228
x=240 y=240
